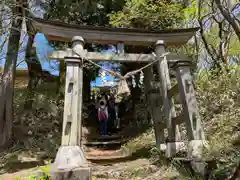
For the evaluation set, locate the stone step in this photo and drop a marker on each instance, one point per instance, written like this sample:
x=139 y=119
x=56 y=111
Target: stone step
x=104 y=144
x=108 y=138
x=103 y=156
x=108 y=159
x=102 y=152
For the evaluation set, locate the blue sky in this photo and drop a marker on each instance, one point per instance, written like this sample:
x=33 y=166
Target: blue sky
x=43 y=50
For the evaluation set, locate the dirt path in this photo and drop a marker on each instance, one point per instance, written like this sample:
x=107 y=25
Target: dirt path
x=131 y=170
x=21 y=175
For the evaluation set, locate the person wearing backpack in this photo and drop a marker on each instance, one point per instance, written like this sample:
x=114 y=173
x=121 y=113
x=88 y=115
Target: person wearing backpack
x=103 y=118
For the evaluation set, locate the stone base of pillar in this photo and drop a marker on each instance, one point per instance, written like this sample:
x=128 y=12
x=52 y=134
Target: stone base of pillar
x=70 y=163
x=173 y=148
x=80 y=173
x=195 y=148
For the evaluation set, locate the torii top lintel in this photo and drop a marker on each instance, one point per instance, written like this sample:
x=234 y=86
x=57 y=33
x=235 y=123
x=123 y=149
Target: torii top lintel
x=104 y=35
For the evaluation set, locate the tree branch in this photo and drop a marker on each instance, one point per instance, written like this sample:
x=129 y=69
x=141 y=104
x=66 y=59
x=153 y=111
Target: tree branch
x=231 y=20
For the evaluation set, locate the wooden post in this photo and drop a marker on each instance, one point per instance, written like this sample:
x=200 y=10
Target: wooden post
x=154 y=108
x=195 y=131
x=70 y=155
x=72 y=122
x=120 y=50
x=169 y=110
x=78 y=47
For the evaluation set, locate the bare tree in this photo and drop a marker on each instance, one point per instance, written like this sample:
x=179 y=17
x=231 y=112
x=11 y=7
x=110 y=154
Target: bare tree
x=8 y=76
x=227 y=14
x=218 y=51
x=19 y=11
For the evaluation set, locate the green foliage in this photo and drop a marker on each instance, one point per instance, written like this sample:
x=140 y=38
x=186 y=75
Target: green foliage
x=46 y=170
x=32 y=178
x=144 y=141
x=214 y=40
x=190 y=13
x=83 y=12
x=148 y=14
x=46 y=175
x=91 y=71
x=234 y=46
x=219 y=102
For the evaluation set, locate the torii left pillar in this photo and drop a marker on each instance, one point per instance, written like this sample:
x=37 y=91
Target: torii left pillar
x=70 y=162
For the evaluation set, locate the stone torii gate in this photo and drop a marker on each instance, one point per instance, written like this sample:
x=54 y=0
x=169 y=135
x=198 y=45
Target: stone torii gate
x=70 y=156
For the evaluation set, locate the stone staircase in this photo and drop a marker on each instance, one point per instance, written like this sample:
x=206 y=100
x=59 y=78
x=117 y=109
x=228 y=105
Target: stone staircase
x=105 y=149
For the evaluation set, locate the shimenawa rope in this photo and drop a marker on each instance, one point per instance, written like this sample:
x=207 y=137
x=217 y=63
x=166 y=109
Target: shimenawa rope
x=122 y=88
x=129 y=74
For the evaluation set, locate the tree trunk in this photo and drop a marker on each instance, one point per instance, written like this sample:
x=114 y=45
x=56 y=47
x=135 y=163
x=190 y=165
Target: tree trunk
x=34 y=68
x=7 y=84
x=229 y=18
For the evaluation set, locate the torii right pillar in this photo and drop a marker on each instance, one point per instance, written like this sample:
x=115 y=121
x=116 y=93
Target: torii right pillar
x=195 y=132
